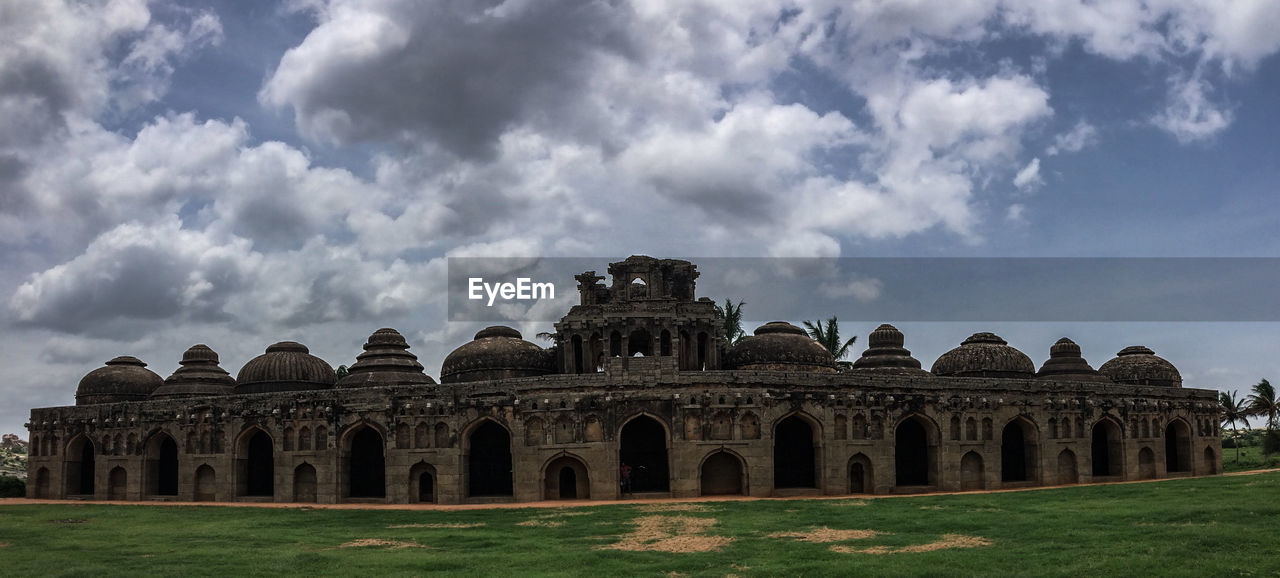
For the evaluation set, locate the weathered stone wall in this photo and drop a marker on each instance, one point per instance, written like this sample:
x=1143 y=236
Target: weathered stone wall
x=575 y=421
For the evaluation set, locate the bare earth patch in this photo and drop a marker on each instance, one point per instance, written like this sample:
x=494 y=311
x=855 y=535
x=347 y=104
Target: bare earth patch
x=826 y=535
x=450 y=526
x=947 y=542
x=656 y=508
x=677 y=534
x=4 y=544
x=849 y=503
x=540 y=523
x=380 y=543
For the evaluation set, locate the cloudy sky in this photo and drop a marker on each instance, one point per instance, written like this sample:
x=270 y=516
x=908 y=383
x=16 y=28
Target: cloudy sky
x=238 y=173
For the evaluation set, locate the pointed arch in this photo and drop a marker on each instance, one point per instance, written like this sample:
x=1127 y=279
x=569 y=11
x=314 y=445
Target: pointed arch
x=487 y=446
x=1106 y=448
x=915 y=442
x=796 y=439
x=363 y=465
x=1177 y=446
x=206 y=487
x=972 y=472
x=305 y=483
x=644 y=442
x=1146 y=464
x=1212 y=463
x=255 y=463
x=422 y=483
x=118 y=484
x=80 y=467
x=1020 y=451
x=1068 y=470
x=566 y=477
x=861 y=475
x=722 y=473
x=161 y=465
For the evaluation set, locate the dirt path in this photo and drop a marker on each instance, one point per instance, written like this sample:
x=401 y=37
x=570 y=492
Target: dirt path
x=577 y=503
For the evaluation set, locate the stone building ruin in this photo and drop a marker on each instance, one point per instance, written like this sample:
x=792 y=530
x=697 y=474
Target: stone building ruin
x=639 y=375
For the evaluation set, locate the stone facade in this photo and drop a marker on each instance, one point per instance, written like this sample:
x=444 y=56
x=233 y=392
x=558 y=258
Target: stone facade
x=636 y=378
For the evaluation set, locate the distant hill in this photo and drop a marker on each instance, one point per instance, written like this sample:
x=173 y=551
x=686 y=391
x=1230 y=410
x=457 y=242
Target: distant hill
x=13 y=456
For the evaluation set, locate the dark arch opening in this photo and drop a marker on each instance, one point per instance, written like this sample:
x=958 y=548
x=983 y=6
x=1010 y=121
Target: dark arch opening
x=42 y=483
x=80 y=467
x=577 y=353
x=1106 y=450
x=1177 y=447
x=860 y=478
x=1067 y=473
x=367 y=473
x=1146 y=464
x=664 y=343
x=162 y=466
x=426 y=487
x=972 y=472
x=644 y=447
x=703 y=350
x=489 y=461
x=639 y=342
x=615 y=344
x=1013 y=454
x=259 y=466
x=911 y=453
x=117 y=484
x=721 y=475
x=206 y=484
x=568 y=483
x=793 y=454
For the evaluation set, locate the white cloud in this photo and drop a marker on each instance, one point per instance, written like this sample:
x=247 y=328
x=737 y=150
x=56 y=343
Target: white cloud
x=1029 y=179
x=1190 y=116
x=864 y=290
x=1075 y=140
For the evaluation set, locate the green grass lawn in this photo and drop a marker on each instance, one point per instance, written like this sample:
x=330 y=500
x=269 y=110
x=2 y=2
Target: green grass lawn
x=1208 y=526
x=1251 y=458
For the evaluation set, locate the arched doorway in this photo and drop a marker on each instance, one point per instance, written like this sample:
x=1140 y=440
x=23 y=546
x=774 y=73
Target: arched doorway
x=366 y=464
x=256 y=465
x=206 y=484
x=162 y=465
x=422 y=483
x=1106 y=449
x=117 y=484
x=304 y=483
x=643 y=447
x=914 y=453
x=80 y=467
x=972 y=472
x=861 y=480
x=721 y=475
x=1177 y=446
x=489 y=461
x=42 y=483
x=1018 y=452
x=1146 y=464
x=566 y=478
x=1067 y=471
x=793 y=454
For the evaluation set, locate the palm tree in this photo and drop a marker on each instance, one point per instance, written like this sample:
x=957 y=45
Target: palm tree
x=829 y=337
x=732 y=317
x=1264 y=403
x=1234 y=411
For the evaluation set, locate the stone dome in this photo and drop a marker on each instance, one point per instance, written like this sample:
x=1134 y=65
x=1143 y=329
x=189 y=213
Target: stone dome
x=496 y=352
x=1138 y=365
x=984 y=355
x=1065 y=362
x=286 y=366
x=885 y=353
x=385 y=361
x=779 y=346
x=125 y=378
x=198 y=375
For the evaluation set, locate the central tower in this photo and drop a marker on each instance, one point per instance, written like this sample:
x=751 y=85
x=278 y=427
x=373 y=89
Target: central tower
x=648 y=310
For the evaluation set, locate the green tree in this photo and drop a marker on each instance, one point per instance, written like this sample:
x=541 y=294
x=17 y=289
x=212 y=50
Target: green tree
x=1264 y=403
x=342 y=371
x=1234 y=411
x=731 y=316
x=829 y=336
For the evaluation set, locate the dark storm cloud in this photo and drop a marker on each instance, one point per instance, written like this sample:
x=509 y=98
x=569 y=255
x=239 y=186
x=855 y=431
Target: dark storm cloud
x=465 y=73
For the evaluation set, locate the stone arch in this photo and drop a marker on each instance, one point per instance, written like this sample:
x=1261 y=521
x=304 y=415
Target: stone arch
x=861 y=476
x=915 y=442
x=79 y=466
x=750 y=425
x=722 y=426
x=206 y=486
x=987 y=431
x=1019 y=451
x=534 y=432
x=840 y=427
x=422 y=436
x=640 y=342
x=1177 y=446
x=422 y=483
x=132 y=447
x=192 y=442
x=796 y=439
x=1146 y=428
x=594 y=431
x=1106 y=449
x=722 y=473
x=1211 y=461
x=1053 y=428
x=971 y=429
x=1068 y=471
x=290 y=437
x=42 y=484
x=404 y=436
x=322 y=438
x=615 y=343
x=664 y=343
x=119 y=443
x=118 y=484
x=565 y=477
x=1146 y=464
x=488 y=458
x=575 y=346
x=565 y=430
x=305 y=483
x=644 y=444
x=955 y=428
x=161 y=465
x=363 y=467
x=858 y=427
x=255 y=463
x=442 y=438
x=972 y=472
x=304 y=439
